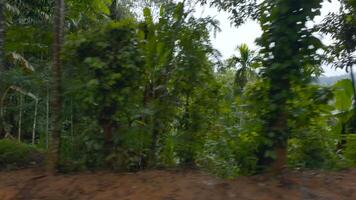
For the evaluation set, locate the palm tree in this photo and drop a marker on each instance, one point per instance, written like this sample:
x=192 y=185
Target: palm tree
x=56 y=103
x=245 y=63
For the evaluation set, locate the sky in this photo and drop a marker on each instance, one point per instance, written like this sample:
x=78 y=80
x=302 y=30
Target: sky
x=230 y=37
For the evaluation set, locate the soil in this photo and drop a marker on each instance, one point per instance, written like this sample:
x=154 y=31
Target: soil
x=175 y=185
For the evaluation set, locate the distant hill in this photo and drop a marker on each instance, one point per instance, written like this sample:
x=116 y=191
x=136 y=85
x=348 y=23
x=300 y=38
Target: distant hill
x=330 y=80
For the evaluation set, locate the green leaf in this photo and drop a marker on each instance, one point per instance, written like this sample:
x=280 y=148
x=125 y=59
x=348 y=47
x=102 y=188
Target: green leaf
x=343 y=92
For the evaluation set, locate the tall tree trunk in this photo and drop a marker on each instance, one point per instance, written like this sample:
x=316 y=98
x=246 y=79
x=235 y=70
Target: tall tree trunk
x=152 y=160
x=341 y=144
x=147 y=98
x=34 y=123
x=2 y=36
x=2 y=66
x=277 y=129
x=20 y=118
x=286 y=54
x=353 y=85
x=47 y=119
x=114 y=11
x=155 y=121
x=280 y=127
x=188 y=158
x=353 y=119
x=53 y=163
x=107 y=126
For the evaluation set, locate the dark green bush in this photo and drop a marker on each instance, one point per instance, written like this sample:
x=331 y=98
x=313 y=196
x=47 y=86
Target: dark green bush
x=14 y=154
x=310 y=153
x=350 y=149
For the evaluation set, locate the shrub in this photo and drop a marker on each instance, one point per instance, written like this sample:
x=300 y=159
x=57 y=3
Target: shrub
x=14 y=155
x=350 y=149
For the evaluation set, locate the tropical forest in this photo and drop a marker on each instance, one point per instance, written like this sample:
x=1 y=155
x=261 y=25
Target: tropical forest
x=138 y=100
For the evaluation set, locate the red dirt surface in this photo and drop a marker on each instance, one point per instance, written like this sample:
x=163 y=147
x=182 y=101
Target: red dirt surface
x=33 y=184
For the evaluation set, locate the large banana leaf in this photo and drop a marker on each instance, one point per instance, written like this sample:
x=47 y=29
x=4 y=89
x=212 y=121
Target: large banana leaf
x=343 y=92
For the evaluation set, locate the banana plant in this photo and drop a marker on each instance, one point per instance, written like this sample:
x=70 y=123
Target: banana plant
x=344 y=108
x=343 y=92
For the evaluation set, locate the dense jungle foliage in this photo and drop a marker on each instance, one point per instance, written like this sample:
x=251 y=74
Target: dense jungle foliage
x=131 y=85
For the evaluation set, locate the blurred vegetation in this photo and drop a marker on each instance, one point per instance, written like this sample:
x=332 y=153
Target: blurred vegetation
x=143 y=87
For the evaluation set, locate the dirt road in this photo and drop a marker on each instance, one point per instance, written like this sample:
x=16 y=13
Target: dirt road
x=33 y=184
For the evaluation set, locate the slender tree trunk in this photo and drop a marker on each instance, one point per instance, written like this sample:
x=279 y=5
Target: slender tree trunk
x=47 y=118
x=154 y=120
x=147 y=98
x=2 y=36
x=154 y=143
x=2 y=113
x=20 y=118
x=71 y=121
x=353 y=85
x=2 y=55
x=353 y=119
x=189 y=137
x=34 y=122
x=114 y=14
x=107 y=126
x=341 y=144
x=156 y=125
x=53 y=163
